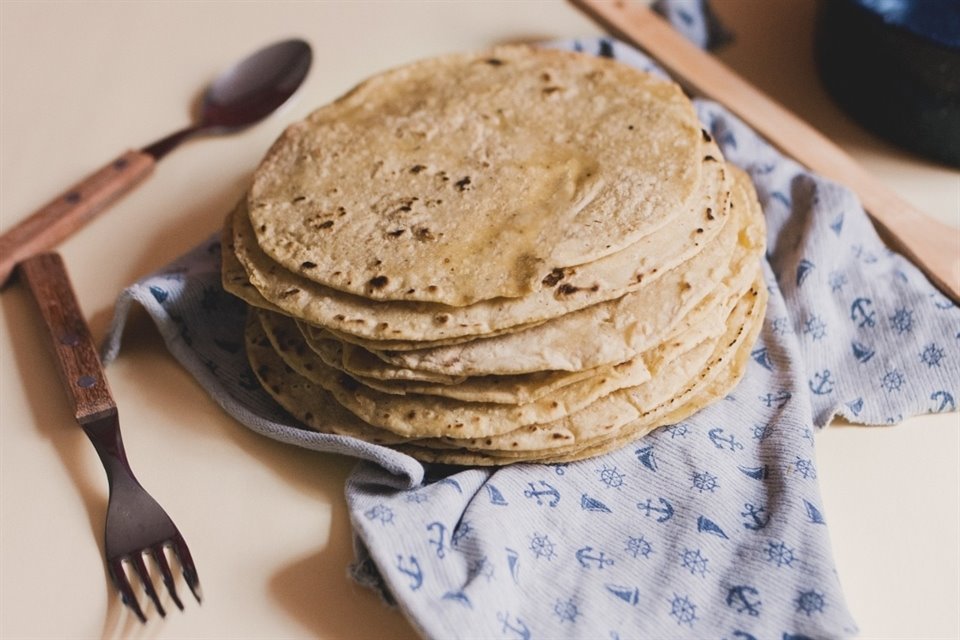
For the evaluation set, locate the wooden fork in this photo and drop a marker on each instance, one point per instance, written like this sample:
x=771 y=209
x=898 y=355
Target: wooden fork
x=136 y=525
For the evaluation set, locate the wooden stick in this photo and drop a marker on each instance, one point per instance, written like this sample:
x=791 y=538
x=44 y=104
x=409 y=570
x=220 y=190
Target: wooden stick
x=932 y=245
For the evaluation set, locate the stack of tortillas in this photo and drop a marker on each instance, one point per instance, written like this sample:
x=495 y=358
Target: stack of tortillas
x=523 y=254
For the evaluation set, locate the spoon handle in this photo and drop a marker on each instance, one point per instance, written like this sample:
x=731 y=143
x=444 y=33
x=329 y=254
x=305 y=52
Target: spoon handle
x=72 y=209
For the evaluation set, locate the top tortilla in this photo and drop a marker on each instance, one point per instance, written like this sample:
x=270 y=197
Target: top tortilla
x=562 y=291
x=472 y=177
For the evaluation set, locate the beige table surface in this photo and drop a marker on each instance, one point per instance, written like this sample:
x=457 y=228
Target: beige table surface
x=82 y=81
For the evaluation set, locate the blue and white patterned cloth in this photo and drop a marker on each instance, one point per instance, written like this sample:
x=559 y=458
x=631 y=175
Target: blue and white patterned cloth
x=709 y=528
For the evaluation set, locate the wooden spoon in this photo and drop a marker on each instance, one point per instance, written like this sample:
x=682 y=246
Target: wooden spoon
x=242 y=95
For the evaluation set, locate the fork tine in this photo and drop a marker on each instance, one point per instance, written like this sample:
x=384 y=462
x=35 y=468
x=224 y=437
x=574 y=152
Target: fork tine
x=123 y=586
x=159 y=555
x=186 y=563
x=141 y=568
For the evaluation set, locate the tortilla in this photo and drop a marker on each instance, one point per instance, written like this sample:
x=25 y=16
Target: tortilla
x=471 y=177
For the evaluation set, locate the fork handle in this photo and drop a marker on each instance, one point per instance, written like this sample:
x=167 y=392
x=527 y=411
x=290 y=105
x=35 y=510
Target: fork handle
x=77 y=358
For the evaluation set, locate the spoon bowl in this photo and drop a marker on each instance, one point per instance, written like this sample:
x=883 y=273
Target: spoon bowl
x=257 y=86
x=246 y=93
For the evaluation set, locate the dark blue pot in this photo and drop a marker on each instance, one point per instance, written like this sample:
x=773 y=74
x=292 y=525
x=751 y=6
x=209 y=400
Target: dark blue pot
x=894 y=65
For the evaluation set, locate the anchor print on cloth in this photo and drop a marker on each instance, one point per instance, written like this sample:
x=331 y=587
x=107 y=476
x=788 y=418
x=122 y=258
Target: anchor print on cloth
x=713 y=527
